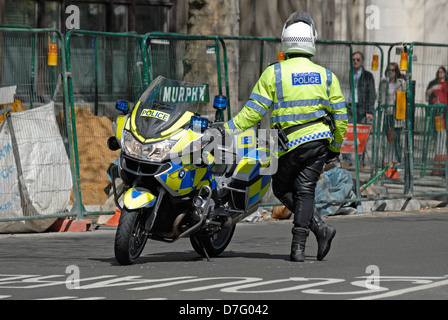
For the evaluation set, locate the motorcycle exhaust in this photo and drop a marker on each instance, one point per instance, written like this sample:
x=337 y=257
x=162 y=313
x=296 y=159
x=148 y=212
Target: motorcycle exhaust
x=202 y=205
x=238 y=216
x=173 y=235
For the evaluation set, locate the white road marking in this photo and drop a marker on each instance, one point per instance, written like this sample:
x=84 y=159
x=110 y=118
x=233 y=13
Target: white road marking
x=233 y=285
x=404 y=291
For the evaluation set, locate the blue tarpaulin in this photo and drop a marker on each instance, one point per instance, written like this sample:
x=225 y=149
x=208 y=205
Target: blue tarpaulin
x=336 y=185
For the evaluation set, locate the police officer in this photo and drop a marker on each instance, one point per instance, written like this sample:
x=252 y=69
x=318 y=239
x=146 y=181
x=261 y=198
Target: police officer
x=302 y=97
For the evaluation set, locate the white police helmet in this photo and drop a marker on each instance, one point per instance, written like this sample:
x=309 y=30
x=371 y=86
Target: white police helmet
x=299 y=34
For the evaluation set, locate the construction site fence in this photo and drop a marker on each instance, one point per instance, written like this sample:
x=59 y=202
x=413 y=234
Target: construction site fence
x=94 y=69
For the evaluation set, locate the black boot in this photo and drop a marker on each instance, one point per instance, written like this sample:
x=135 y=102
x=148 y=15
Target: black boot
x=324 y=235
x=298 y=244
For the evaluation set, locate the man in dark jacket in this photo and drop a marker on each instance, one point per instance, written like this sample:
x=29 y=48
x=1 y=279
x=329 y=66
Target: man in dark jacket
x=364 y=100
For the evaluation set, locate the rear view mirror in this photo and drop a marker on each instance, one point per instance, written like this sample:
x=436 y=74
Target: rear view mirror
x=113 y=143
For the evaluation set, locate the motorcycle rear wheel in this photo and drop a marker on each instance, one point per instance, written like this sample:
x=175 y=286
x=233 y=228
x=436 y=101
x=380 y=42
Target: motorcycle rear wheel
x=131 y=237
x=214 y=244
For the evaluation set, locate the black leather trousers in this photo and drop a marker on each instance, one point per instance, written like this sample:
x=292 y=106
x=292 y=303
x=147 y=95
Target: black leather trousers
x=294 y=183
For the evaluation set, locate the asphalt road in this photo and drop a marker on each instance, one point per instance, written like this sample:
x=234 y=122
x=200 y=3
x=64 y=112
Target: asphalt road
x=374 y=256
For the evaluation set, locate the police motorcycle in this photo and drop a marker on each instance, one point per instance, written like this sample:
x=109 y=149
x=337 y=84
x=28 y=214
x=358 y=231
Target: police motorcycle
x=173 y=186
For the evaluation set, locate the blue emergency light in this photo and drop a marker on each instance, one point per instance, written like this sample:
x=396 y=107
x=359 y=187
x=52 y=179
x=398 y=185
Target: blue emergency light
x=199 y=123
x=220 y=102
x=122 y=105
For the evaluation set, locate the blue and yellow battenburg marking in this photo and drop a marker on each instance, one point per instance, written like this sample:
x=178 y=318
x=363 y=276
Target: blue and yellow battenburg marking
x=155 y=114
x=250 y=166
x=181 y=180
x=259 y=188
x=135 y=199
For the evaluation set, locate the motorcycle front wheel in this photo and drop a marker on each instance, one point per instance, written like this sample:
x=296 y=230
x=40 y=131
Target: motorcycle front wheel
x=214 y=244
x=131 y=237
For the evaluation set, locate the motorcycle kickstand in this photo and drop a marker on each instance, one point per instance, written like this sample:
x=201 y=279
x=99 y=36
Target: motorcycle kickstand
x=203 y=248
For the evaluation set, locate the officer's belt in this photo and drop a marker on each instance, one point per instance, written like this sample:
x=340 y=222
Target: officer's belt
x=326 y=120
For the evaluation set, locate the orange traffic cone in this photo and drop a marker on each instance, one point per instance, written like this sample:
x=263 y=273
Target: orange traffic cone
x=391 y=173
x=113 y=222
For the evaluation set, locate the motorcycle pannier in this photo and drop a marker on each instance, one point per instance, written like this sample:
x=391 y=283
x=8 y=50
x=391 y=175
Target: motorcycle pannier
x=251 y=178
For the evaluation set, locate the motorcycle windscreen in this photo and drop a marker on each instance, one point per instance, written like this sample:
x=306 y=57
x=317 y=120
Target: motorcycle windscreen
x=164 y=102
x=151 y=120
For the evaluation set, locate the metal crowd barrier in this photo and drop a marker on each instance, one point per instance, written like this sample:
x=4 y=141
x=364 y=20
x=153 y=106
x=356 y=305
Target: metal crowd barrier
x=97 y=68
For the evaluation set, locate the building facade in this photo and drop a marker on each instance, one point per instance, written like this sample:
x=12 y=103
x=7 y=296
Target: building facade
x=352 y=20
x=140 y=16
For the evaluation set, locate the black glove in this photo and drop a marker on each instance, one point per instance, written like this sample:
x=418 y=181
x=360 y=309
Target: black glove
x=332 y=157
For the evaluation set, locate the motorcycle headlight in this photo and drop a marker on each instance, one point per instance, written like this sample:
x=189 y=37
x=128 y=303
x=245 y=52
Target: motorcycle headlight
x=158 y=151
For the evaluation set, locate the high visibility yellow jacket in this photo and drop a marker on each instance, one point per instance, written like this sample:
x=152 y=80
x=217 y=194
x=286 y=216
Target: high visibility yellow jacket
x=296 y=91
